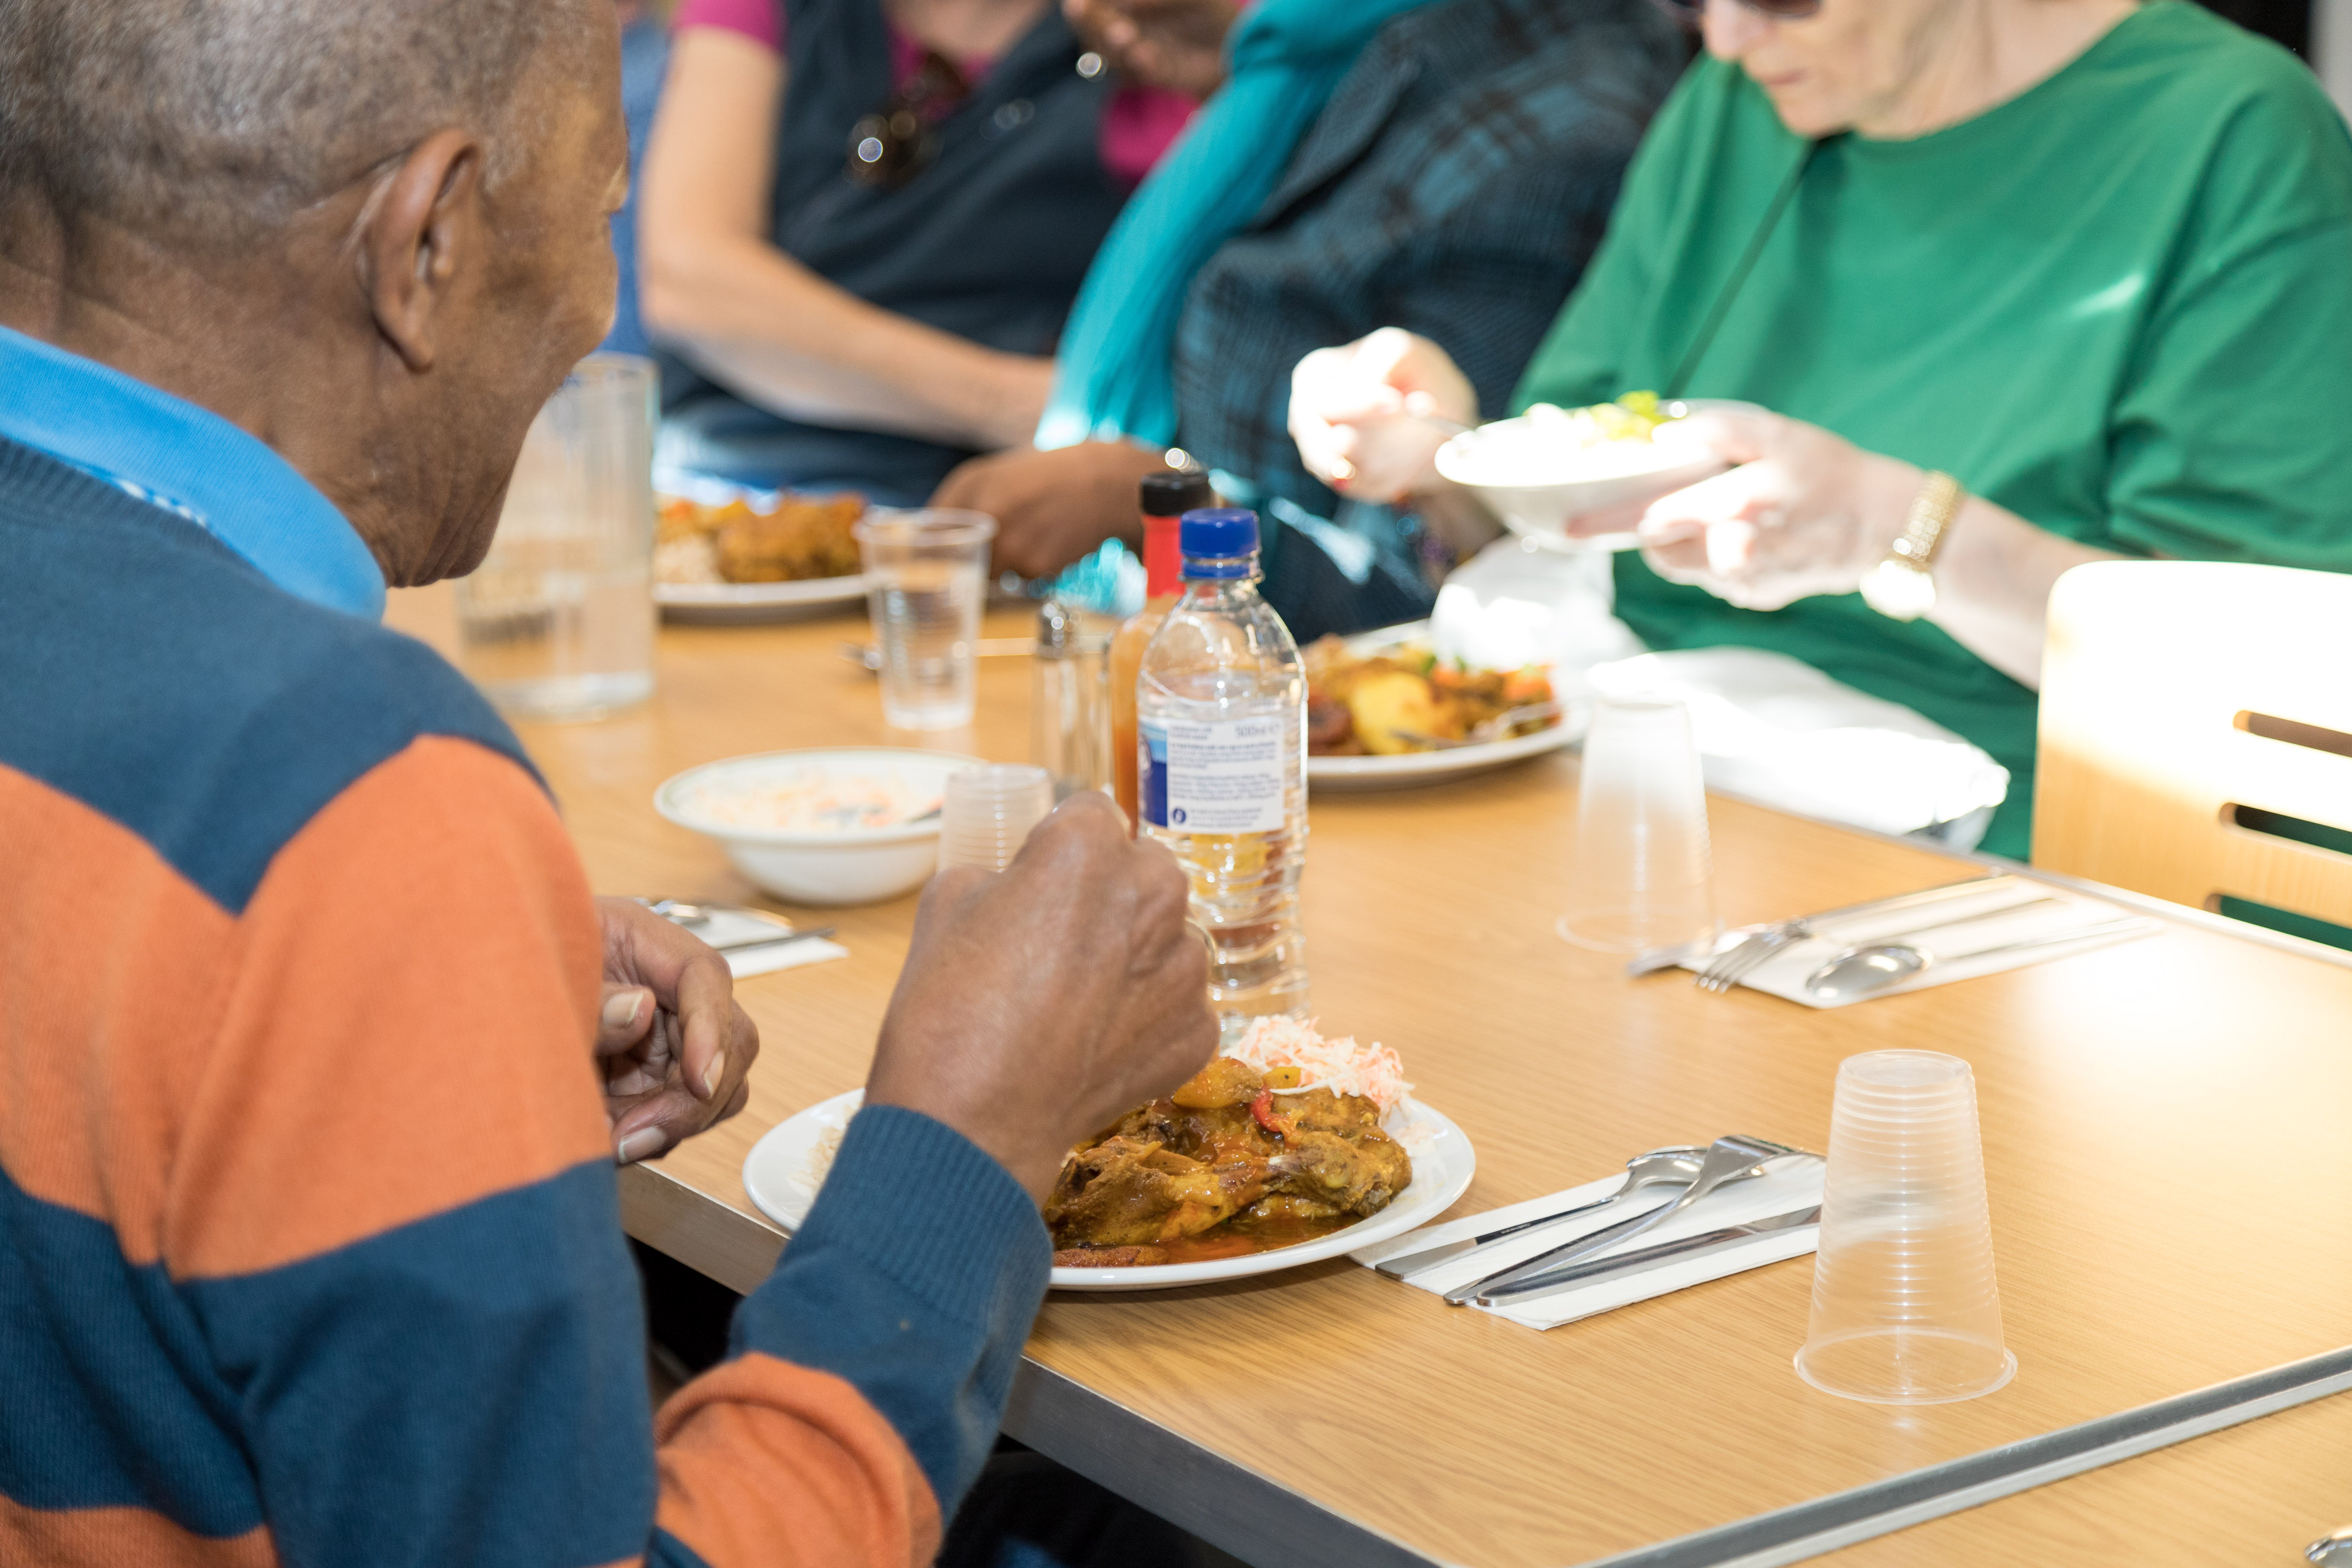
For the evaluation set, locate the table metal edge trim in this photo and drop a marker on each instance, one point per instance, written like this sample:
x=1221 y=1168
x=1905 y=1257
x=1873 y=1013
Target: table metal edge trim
x=1809 y=1529
x=1231 y=1508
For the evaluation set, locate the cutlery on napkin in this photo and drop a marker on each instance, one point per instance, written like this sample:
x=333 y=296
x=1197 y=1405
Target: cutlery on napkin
x=1788 y=1186
x=756 y=943
x=1999 y=923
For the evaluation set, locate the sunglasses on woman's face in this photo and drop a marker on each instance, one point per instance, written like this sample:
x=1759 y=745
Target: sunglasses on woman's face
x=1690 y=12
x=897 y=142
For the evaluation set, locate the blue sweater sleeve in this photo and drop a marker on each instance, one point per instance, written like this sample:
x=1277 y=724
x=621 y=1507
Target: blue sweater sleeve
x=915 y=1278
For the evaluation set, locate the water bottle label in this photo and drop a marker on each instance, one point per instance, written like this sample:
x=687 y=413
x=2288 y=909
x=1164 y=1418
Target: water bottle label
x=1217 y=775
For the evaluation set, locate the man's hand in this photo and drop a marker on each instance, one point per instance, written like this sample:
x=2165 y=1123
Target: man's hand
x=1804 y=512
x=1053 y=507
x=672 y=1045
x=1370 y=415
x=1041 y=1002
x=1174 y=44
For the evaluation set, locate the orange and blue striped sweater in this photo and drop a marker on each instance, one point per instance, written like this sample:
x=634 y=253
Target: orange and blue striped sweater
x=309 y=1251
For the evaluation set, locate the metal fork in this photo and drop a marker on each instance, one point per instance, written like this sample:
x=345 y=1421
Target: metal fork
x=1728 y=967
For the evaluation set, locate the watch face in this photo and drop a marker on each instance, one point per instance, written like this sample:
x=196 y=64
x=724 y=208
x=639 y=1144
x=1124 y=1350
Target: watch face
x=1903 y=593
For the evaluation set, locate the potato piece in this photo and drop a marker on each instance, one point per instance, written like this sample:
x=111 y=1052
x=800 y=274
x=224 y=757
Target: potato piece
x=1223 y=1081
x=1383 y=704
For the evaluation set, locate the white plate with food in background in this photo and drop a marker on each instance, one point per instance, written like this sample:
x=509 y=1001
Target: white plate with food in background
x=1416 y=768
x=788 y=1166
x=723 y=553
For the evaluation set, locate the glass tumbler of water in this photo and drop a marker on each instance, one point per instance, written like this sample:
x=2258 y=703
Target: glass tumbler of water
x=926 y=574
x=557 y=620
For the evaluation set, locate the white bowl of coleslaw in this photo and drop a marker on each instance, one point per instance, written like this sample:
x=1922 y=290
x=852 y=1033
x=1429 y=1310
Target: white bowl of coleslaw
x=852 y=825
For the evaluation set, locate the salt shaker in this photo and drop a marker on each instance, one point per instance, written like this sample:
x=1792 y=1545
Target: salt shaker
x=1070 y=737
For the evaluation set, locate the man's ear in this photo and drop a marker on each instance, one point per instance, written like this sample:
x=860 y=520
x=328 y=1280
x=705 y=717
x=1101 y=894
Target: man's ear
x=424 y=227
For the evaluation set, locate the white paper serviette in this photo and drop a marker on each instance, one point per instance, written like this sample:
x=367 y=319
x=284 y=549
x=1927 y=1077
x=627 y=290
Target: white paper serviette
x=1953 y=943
x=730 y=925
x=1786 y=1186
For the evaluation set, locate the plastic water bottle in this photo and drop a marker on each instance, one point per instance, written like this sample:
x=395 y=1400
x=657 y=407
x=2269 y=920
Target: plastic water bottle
x=1220 y=720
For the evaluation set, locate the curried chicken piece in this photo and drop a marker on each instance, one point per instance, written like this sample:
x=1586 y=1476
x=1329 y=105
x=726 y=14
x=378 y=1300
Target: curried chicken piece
x=1333 y=1152
x=1128 y=1192
x=805 y=537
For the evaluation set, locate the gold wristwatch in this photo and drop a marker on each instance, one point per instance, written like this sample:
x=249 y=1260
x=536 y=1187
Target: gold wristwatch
x=1903 y=586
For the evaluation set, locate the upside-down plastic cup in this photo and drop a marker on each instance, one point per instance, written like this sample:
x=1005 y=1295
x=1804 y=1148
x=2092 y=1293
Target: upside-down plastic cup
x=988 y=812
x=1904 y=1308
x=1641 y=877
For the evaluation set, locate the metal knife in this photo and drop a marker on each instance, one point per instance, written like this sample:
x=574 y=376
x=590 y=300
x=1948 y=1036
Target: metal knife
x=749 y=942
x=1428 y=1257
x=1659 y=958
x=1643 y=1259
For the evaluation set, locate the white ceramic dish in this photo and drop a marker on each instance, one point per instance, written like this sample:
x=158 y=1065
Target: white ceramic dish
x=728 y=602
x=1414 y=769
x=1542 y=513
x=784 y=1169
x=865 y=865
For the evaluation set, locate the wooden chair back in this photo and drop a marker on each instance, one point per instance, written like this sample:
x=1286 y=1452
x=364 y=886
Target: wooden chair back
x=2183 y=701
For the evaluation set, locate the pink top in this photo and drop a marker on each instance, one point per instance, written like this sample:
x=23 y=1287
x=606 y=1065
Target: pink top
x=1138 y=126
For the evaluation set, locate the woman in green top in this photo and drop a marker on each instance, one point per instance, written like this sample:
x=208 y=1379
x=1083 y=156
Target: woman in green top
x=2092 y=258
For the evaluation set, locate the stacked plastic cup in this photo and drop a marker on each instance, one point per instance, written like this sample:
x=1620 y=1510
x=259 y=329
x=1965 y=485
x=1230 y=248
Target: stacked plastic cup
x=1904 y=1308
x=1641 y=877
x=988 y=812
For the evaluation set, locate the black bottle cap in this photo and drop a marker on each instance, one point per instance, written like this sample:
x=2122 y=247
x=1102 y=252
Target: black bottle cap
x=1176 y=493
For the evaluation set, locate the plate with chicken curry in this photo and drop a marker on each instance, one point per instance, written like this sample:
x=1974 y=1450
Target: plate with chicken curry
x=1385 y=711
x=1285 y=1149
x=724 y=554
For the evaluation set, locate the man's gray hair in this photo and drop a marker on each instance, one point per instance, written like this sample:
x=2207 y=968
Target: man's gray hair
x=220 y=119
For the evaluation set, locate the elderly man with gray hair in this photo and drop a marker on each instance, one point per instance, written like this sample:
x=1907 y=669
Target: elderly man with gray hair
x=318 y=1052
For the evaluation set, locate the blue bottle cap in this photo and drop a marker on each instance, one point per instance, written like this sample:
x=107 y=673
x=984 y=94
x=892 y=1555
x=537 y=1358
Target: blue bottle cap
x=1219 y=541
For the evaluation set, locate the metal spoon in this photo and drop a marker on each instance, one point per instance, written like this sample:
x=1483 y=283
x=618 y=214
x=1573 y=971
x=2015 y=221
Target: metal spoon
x=1673 y=1166
x=1859 y=970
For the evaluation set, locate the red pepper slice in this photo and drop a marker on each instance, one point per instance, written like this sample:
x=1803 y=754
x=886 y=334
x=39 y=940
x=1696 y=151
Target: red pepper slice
x=1262 y=1108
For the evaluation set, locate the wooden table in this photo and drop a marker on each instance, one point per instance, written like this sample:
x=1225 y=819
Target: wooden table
x=2159 y=1119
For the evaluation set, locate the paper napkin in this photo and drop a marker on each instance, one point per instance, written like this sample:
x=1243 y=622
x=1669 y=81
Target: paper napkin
x=1786 y=1186
x=726 y=926
x=2001 y=910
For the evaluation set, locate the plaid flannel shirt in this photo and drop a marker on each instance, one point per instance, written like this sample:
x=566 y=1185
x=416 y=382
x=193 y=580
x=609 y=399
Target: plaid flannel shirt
x=1455 y=186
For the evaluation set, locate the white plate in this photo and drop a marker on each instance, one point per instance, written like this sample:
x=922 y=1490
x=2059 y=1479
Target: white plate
x=721 y=603
x=1412 y=770
x=782 y=1175
x=756 y=601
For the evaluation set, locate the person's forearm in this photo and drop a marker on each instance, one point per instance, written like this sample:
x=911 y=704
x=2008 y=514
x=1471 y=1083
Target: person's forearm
x=1993 y=577
x=763 y=323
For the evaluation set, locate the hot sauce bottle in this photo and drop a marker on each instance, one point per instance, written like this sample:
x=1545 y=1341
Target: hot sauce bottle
x=1165 y=498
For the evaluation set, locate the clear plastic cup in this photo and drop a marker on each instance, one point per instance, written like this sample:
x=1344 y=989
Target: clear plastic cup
x=926 y=574
x=988 y=812
x=1641 y=877
x=557 y=620
x=1906 y=1310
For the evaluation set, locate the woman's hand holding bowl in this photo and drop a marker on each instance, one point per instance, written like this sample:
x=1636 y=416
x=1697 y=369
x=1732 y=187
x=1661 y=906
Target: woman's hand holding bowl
x=1802 y=511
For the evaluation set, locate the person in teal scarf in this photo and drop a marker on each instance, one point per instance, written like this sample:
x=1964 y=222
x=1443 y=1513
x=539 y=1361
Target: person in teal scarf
x=1452 y=162
x=1114 y=378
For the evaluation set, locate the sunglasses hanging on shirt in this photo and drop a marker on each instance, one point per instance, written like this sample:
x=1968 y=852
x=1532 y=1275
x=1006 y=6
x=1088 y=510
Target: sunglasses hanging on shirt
x=1689 y=14
x=900 y=140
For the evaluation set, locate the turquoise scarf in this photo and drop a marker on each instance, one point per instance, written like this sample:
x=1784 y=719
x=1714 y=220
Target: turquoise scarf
x=1114 y=377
